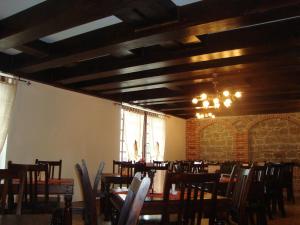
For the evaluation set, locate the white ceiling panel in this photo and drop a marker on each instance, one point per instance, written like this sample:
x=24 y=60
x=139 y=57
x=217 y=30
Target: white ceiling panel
x=11 y=7
x=84 y=28
x=184 y=2
x=11 y=51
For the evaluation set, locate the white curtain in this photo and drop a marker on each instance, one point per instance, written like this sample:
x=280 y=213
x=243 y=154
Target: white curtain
x=132 y=146
x=7 y=96
x=155 y=138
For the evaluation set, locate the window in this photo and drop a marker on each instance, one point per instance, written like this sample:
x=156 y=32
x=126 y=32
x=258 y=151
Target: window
x=7 y=96
x=142 y=135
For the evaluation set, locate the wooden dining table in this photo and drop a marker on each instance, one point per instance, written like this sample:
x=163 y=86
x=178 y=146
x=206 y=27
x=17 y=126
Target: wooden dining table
x=154 y=204
x=108 y=179
x=36 y=219
x=64 y=186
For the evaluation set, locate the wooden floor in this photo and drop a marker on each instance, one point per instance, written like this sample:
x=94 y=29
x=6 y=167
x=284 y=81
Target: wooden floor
x=292 y=218
x=293 y=215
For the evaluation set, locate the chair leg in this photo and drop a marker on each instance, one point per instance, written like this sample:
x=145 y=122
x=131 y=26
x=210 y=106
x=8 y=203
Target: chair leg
x=281 y=204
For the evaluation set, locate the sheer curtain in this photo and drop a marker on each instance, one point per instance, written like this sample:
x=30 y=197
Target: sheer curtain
x=7 y=96
x=155 y=138
x=132 y=145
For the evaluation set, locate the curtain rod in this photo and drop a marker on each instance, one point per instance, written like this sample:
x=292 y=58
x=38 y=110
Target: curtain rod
x=141 y=109
x=15 y=78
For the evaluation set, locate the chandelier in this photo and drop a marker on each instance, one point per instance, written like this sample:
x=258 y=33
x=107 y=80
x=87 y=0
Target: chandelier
x=209 y=102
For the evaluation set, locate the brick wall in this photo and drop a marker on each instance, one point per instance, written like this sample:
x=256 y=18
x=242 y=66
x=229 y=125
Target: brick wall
x=272 y=137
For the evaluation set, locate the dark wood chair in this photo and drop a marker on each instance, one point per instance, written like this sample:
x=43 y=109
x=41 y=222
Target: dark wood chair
x=134 y=200
x=274 y=188
x=288 y=184
x=54 y=168
x=192 y=189
x=7 y=197
x=54 y=172
x=232 y=180
x=89 y=197
x=227 y=166
x=123 y=168
x=240 y=194
x=160 y=163
x=98 y=179
x=132 y=206
x=256 y=196
x=197 y=168
x=34 y=201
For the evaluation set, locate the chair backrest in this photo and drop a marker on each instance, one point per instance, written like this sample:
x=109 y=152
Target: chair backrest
x=35 y=174
x=98 y=177
x=274 y=177
x=232 y=180
x=124 y=169
x=257 y=186
x=52 y=165
x=191 y=193
x=6 y=194
x=89 y=196
x=134 y=200
x=241 y=189
x=161 y=163
x=227 y=166
x=198 y=167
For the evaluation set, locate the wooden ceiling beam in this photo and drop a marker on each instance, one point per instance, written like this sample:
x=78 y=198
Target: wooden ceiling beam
x=280 y=56
x=192 y=77
x=228 y=15
x=220 y=42
x=53 y=16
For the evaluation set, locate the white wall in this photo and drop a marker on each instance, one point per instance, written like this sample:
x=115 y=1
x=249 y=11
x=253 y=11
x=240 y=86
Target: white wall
x=175 y=139
x=50 y=123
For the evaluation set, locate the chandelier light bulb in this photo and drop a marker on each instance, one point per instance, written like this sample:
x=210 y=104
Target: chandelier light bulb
x=198 y=116
x=213 y=116
x=216 y=106
x=206 y=104
x=203 y=96
x=226 y=93
x=216 y=101
x=195 y=101
x=238 y=94
x=227 y=102
x=210 y=114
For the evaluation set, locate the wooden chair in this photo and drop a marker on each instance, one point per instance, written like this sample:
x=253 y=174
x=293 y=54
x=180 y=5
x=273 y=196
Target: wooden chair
x=33 y=201
x=132 y=206
x=123 y=168
x=54 y=172
x=97 y=179
x=78 y=206
x=288 y=184
x=198 y=168
x=52 y=165
x=231 y=183
x=134 y=200
x=161 y=163
x=89 y=197
x=274 y=188
x=192 y=189
x=6 y=195
x=240 y=195
x=256 y=196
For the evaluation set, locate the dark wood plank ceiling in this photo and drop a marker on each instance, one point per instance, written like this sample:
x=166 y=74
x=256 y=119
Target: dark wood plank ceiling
x=161 y=55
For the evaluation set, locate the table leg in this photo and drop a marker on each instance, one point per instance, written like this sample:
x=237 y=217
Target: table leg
x=68 y=210
x=107 y=207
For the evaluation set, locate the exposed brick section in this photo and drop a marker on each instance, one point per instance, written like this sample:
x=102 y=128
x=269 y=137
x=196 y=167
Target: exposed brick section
x=242 y=146
x=273 y=137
